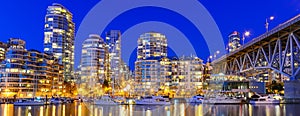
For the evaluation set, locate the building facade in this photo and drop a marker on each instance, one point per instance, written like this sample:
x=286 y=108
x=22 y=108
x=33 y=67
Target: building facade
x=3 y=48
x=151 y=44
x=59 y=37
x=148 y=76
x=28 y=73
x=92 y=71
x=54 y=74
x=187 y=74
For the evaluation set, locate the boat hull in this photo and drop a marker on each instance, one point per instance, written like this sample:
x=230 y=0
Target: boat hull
x=222 y=101
x=105 y=103
x=195 y=100
x=56 y=102
x=29 y=104
x=151 y=103
x=263 y=102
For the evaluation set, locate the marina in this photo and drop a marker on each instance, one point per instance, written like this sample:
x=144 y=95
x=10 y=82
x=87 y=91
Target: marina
x=153 y=100
x=180 y=109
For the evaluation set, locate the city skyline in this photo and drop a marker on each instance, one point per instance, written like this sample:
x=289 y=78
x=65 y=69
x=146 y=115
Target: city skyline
x=255 y=26
x=157 y=57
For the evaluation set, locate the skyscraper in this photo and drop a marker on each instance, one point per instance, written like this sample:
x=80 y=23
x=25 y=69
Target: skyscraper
x=234 y=41
x=59 y=37
x=92 y=63
x=151 y=44
x=113 y=42
x=152 y=69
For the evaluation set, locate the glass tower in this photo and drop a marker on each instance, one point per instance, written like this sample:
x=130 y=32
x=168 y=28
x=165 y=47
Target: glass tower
x=151 y=44
x=59 y=37
x=113 y=43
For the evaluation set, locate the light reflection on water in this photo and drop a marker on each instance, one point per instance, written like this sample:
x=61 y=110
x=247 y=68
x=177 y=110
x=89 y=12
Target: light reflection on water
x=81 y=109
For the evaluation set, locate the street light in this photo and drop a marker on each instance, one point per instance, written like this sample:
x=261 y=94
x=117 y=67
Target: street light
x=209 y=58
x=267 y=22
x=246 y=34
x=213 y=57
x=216 y=53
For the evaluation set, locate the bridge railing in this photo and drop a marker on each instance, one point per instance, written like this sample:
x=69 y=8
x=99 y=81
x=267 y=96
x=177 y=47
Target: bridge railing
x=261 y=37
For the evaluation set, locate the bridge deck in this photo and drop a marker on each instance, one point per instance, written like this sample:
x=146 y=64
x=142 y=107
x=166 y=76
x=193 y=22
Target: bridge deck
x=280 y=30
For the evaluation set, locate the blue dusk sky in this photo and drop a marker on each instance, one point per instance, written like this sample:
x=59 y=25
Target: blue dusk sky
x=25 y=19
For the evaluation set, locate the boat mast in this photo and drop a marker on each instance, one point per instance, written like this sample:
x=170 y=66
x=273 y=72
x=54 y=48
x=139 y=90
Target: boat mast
x=35 y=85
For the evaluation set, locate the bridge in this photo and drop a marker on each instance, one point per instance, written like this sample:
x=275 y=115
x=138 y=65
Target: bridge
x=276 y=52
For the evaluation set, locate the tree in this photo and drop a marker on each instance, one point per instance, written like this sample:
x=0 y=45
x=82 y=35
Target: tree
x=276 y=87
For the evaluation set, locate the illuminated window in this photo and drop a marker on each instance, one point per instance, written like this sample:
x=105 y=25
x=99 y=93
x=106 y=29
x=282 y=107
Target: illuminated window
x=50 y=19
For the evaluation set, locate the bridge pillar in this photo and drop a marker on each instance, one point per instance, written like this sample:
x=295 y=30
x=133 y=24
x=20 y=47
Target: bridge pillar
x=292 y=89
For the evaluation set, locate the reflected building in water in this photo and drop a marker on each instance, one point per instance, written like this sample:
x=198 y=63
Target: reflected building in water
x=80 y=109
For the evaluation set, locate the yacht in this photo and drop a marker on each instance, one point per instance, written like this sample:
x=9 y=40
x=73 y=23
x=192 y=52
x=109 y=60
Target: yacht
x=152 y=100
x=105 y=100
x=25 y=102
x=222 y=100
x=264 y=100
x=196 y=99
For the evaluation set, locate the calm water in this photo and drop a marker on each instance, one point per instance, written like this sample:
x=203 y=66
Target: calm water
x=80 y=109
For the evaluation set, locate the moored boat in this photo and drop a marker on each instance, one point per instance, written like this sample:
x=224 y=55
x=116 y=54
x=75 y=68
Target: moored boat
x=24 y=102
x=152 y=100
x=105 y=100
x=264 y=100
x=55 y=101
x=222 y=100
x=196 y=99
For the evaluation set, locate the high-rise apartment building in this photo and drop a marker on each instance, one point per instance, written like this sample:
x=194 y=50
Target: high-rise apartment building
x=54 y=74
x=152 y=44
x=234 y=41
x=59 y=37
x=187 y=74
x=92 y=71
x=152 y=68
x=27 y=73
x=113 y=44
x=152 y=75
